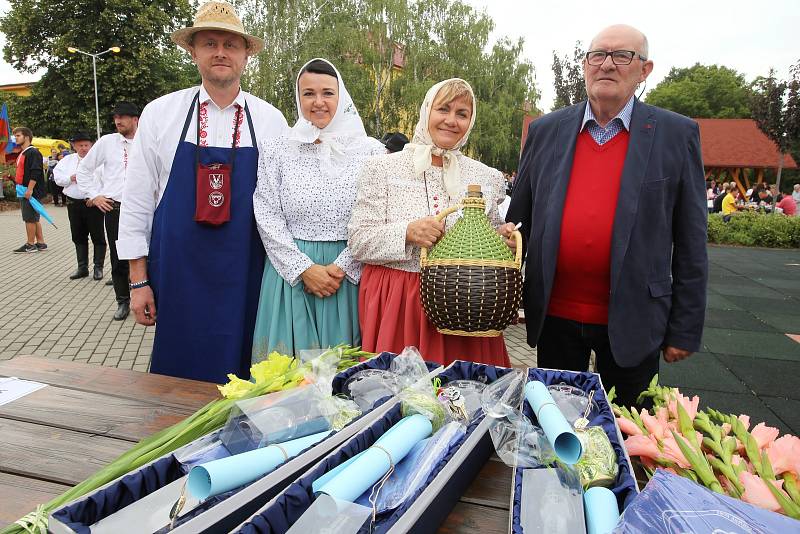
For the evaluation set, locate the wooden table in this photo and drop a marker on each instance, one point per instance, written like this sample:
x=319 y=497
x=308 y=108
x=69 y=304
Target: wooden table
x=60 y=435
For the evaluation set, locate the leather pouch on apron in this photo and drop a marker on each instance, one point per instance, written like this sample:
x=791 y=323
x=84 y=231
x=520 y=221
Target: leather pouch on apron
x=212 y=204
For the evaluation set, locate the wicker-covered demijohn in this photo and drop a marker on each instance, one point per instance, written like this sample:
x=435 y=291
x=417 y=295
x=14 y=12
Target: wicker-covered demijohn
x=470 y=282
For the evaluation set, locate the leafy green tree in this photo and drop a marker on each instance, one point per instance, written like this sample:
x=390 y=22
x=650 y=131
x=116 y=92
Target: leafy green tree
x=776 y=109
x=389 y=53
x=568 y=80
x=38 y=33
x=703 y=91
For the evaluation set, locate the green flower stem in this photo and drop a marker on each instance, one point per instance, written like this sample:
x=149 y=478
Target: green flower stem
x=699 y=463
x=636 y=418
x=791 y=487
x=789 y=507
x=686 y=427
x=736 y=487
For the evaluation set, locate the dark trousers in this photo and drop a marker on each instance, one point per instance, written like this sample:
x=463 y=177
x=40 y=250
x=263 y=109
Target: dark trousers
x=58 y=193
x=119 y=268
x=566 y=344
x=84 y=222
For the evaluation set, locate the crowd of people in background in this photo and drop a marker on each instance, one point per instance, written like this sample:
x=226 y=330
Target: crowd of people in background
x=727 y=198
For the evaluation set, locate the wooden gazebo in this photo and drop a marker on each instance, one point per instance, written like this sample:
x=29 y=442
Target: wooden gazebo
x=737 y=150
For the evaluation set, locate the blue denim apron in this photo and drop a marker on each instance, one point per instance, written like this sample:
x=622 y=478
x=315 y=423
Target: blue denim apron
x=206 y=279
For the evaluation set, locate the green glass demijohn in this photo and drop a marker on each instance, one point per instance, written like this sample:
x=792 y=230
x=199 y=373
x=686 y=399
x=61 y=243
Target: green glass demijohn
x=470 y=281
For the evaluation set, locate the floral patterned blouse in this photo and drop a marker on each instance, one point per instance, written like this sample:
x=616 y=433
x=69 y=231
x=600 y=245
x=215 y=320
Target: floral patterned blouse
x=297 y=197
x=390 y=196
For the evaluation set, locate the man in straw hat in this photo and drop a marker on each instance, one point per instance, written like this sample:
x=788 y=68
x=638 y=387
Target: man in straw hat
x=187 y=222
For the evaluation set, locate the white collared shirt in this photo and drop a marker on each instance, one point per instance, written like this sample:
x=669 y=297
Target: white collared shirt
x=63 y=172
x=157 y=139
x=112 y=152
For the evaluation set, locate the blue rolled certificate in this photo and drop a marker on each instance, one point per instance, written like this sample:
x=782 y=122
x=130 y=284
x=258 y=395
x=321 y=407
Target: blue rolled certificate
x=225 y=474
x=364 y=470
x=601 y=510
x=559 y=432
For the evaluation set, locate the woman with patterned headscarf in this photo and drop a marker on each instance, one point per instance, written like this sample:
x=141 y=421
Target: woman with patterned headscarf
x=307 y=185
x=399 y=196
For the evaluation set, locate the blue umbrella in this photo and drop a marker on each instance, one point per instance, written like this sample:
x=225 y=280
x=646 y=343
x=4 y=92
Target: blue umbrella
x=35 y=204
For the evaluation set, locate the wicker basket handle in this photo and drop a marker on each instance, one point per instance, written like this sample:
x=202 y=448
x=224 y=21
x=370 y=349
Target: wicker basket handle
x=423 y=252
x=518 y=257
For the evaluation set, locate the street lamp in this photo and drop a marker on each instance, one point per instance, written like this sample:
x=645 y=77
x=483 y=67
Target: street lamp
x=113 y=49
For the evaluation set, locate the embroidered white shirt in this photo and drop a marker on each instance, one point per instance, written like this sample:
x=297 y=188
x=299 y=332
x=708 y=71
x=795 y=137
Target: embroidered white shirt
x=297 y=199
x=157 y=139
x=390 y=196
x=111 y=152
x=63 y=172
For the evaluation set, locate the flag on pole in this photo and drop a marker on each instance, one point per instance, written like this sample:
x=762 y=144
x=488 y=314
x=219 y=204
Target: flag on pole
x=7 y=143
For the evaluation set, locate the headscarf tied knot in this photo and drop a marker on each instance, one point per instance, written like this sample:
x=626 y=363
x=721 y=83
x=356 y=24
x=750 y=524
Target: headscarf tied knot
x=343 y=134
x=423 y=146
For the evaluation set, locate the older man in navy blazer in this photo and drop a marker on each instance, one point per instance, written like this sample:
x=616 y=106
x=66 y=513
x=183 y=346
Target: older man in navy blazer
x=611 y=197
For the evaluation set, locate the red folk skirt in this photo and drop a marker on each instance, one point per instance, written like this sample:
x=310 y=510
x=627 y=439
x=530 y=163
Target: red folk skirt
x=391 y=318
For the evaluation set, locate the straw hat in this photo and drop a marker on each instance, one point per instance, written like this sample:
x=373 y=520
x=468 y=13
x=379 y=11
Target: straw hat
x=219 y=16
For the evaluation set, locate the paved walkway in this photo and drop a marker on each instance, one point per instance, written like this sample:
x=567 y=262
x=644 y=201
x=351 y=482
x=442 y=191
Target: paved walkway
x=748 y=365
x=751 y=348
x=44 y=313
x=72 y=319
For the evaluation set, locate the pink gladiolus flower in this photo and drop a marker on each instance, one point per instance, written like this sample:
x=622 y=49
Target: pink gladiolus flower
x=642 y=446
x=784 y=454
x=690 y=405
x=764 y=435
x=653 y=425
x=673 y=453
x=745 y=419
x=629 y=427
x=662 y=415
x=756 y=491
x=647 y=462
x=726 y=429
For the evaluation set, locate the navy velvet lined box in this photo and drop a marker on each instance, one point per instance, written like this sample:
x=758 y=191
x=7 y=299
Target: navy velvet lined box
x=225 y=511
x=444 y=486
x=625 y=487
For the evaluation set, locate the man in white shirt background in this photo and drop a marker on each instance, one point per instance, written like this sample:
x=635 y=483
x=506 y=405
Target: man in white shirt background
x=112 y=152
x=84 y=220
x=187 y=223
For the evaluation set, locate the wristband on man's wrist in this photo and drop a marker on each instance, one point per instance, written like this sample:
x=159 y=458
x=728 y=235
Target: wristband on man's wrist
x=137 y=285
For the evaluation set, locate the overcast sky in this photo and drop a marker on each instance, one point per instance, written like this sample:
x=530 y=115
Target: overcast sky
x=749 y=37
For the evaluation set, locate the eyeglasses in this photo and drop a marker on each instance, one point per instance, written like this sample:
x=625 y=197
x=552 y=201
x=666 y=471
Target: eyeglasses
x=618 y=57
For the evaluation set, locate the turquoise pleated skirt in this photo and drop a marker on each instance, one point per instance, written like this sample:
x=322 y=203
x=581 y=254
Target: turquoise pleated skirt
x=290 y=320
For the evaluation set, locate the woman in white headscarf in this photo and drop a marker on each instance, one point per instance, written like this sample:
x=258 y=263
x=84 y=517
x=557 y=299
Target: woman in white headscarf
x=307 y=184
x=398 y=197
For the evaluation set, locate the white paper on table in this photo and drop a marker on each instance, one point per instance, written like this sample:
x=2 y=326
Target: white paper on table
x=148 y=514
x=328 y=515
x=12 y=388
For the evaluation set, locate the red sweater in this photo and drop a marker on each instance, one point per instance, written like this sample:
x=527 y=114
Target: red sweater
x=583 y=273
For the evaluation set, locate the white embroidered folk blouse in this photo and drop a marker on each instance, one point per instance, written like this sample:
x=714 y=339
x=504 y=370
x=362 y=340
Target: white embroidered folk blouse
x=296 y=198
x=390 y=196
